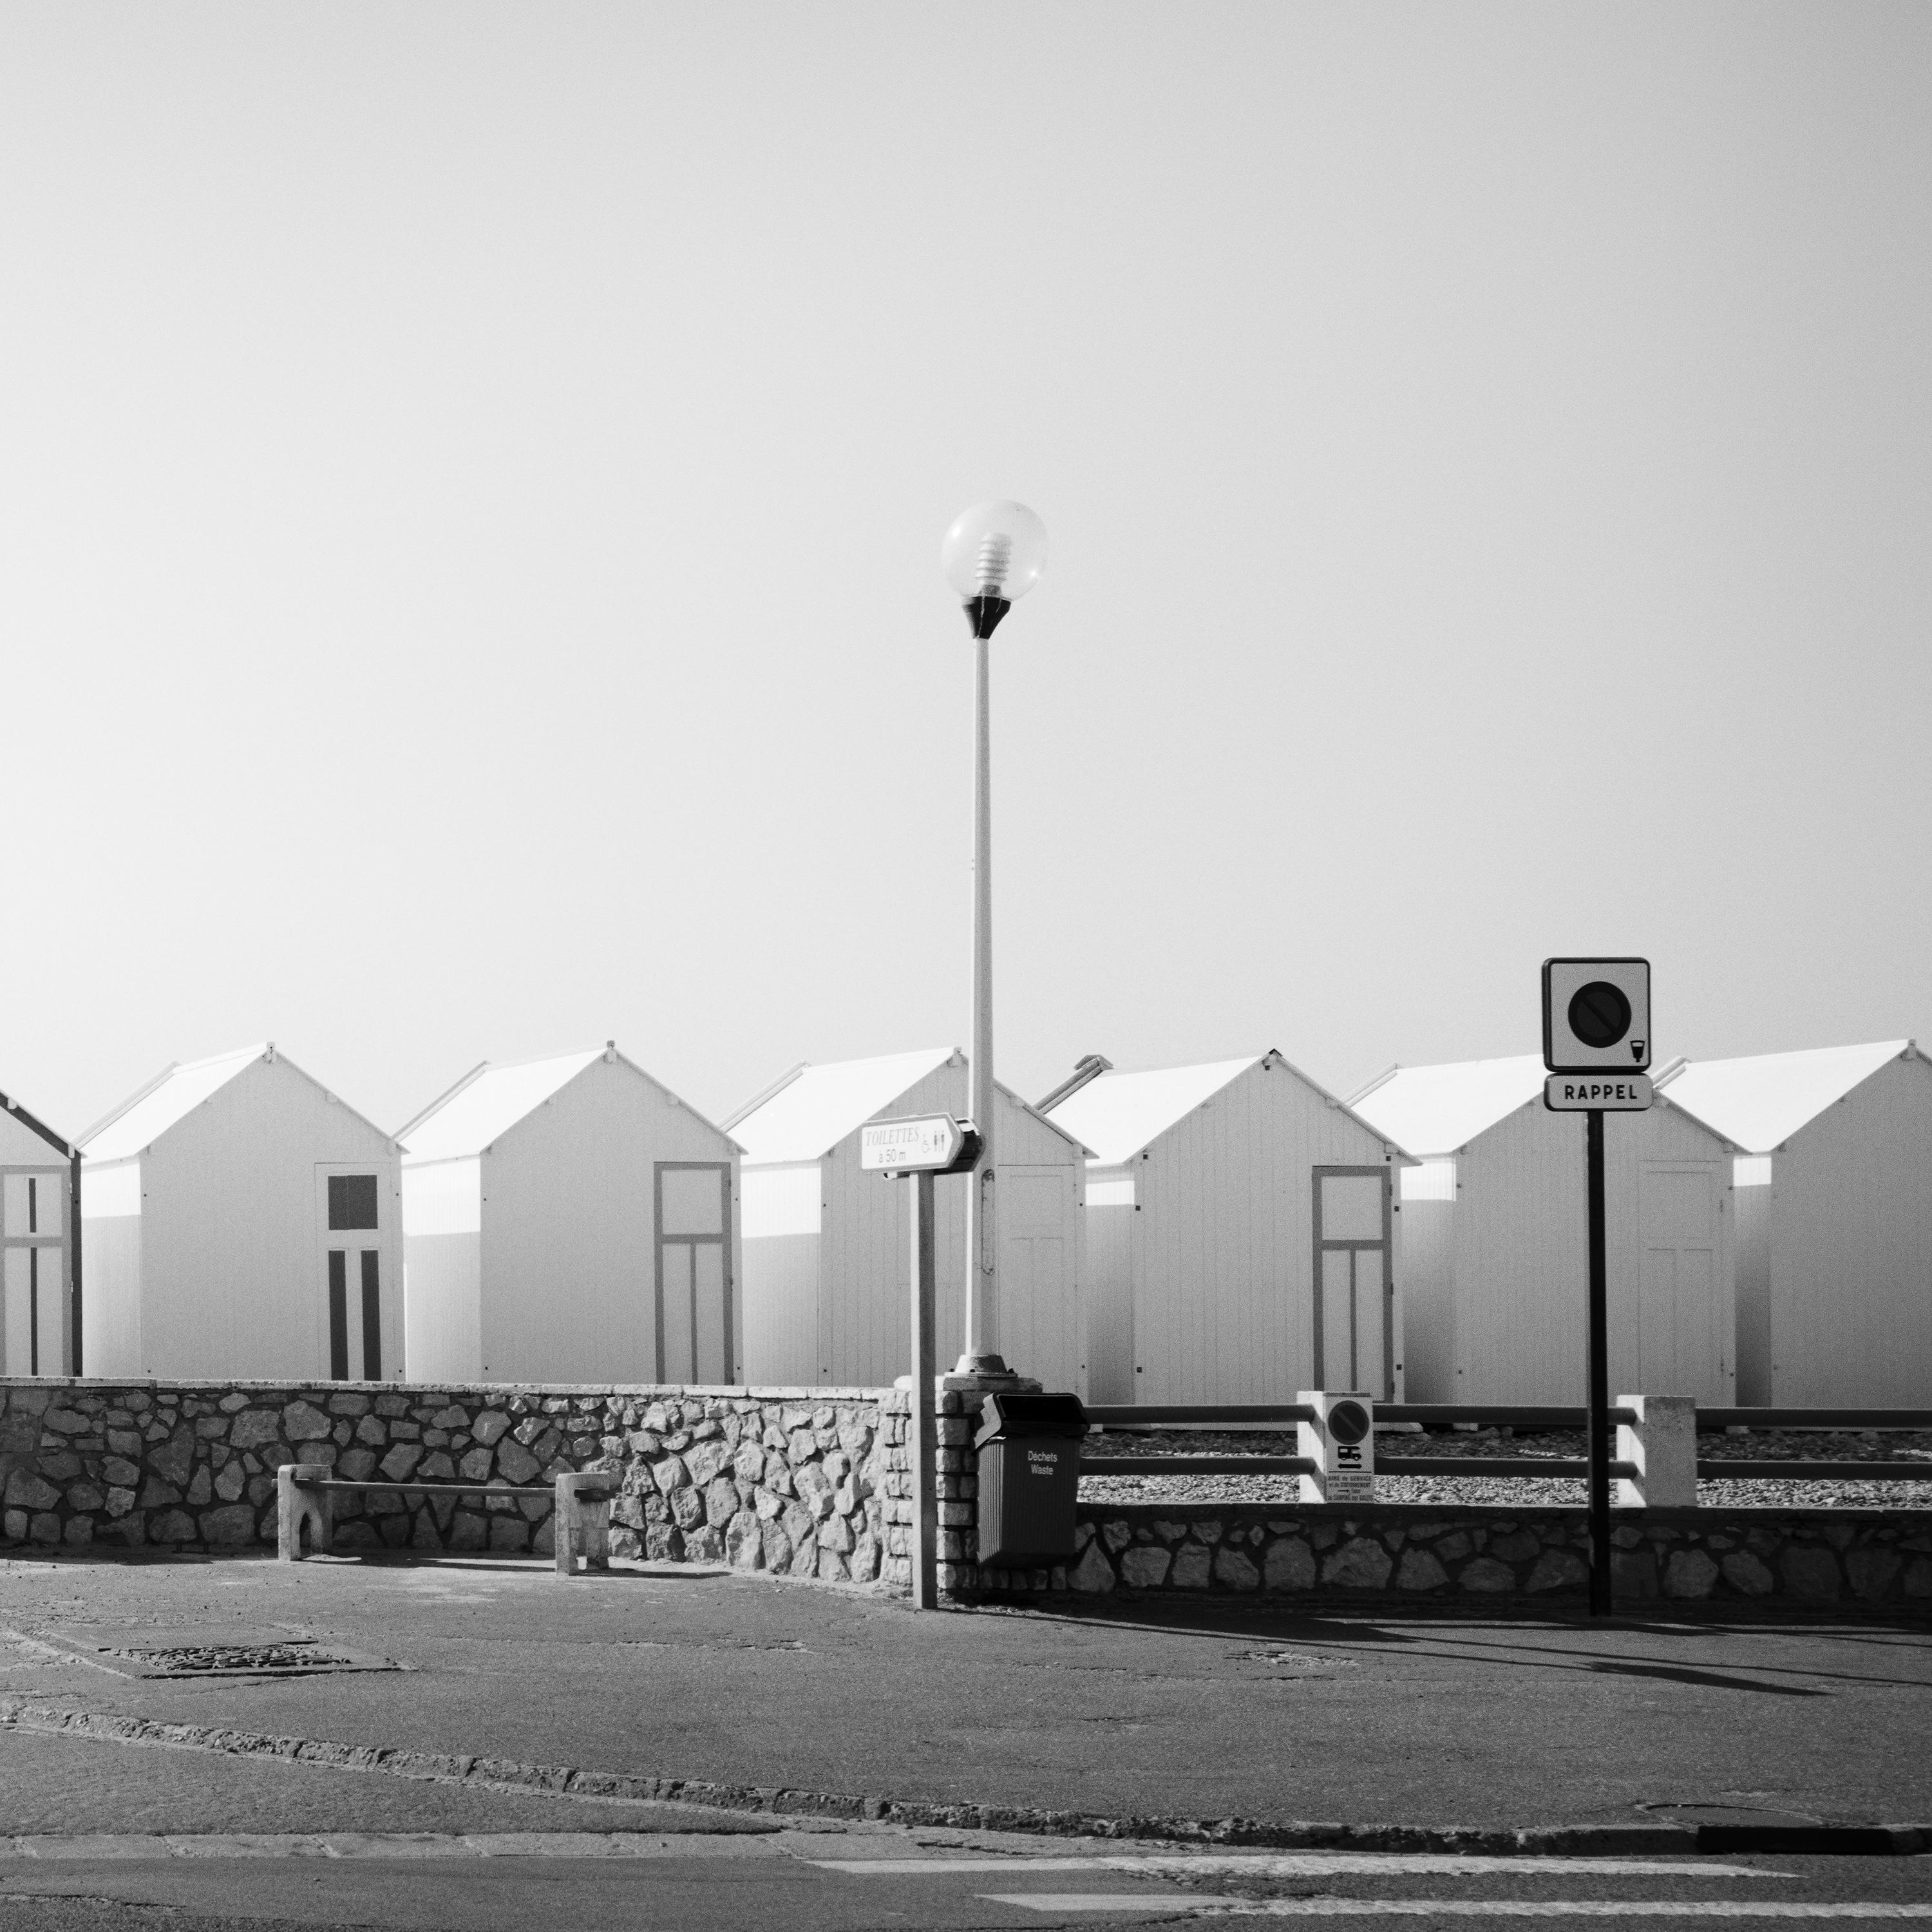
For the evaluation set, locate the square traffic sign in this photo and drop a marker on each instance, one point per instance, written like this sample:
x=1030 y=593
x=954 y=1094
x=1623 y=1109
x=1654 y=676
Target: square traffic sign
x=1596 y=1015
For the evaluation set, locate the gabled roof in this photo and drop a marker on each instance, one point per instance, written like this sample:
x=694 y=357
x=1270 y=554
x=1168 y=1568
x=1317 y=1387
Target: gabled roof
x=1117 y=1114
x=803 y=1116
x=174 y=1092
x=35 y=1125
x=1760 y=1101
x=813 y=1109
x=489 y=1100
x=1435 y=1110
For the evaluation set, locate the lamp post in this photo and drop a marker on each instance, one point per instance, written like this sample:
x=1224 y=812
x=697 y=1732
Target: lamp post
x=993 y=554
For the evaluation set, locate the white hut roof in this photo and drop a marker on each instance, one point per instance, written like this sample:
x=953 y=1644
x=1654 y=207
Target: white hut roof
x=805 y=1115
x=487 y=1103
x=1117 y=1114
x=34 y=1124
x=174 y=1094
x=1760 y=1100
x=814 y=1107
x=1435 y=1110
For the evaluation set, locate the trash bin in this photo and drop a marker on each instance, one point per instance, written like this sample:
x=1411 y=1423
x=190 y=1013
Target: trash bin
x=1029 y=1449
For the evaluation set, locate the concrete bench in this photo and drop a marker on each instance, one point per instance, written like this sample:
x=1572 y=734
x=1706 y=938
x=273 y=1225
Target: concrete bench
x=305 y=1494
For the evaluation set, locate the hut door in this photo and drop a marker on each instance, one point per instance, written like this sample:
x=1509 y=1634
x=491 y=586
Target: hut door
x=352 y=1283
x=1354 y=1325
x=33 y=1271
x=1680 y=1348
x=694 y=1284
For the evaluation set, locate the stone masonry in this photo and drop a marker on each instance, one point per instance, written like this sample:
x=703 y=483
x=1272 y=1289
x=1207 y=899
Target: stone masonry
x=783 y=1480
x=813 y=1482
x=1476 y=1553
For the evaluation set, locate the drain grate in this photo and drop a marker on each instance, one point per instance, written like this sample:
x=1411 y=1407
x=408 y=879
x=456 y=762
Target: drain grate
x=203 y=1659
x=201 y=1655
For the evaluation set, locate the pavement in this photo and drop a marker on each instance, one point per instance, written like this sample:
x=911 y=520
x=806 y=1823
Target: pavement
x=506 y=1744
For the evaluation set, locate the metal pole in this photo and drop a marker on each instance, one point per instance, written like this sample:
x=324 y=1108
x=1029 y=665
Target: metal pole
x=1597 y=1421
x=982 y=1313
x=923 y=1437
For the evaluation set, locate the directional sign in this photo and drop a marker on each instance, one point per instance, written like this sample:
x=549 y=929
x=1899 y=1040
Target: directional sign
x=931 y=1142
x=1580 y=1093
x=1596 y=1015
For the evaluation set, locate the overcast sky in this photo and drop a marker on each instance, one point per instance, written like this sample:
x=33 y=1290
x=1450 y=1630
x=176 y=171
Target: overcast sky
x=471 y=479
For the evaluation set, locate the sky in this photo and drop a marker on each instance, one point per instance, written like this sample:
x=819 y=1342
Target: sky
x=472 y=476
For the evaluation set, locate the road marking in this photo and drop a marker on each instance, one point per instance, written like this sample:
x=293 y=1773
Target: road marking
x=1304 y=1865
x=1458 y=1908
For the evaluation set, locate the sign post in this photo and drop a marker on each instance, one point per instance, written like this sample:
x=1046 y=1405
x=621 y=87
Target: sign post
x=919 y=1149
x=922 y=1431
x=1596 y=1022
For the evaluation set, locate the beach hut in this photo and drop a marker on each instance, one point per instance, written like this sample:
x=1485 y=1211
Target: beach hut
x=1834 y=1182
x=1218 y=1197
x=240 y=1222
x=40 y=1250
x=1495 y=1240
x=570 y=1219
x=826 y=1244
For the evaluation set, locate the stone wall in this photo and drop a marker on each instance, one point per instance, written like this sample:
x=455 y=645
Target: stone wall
x=1407 y=1552
x=814 y=1482
x=784 y=1480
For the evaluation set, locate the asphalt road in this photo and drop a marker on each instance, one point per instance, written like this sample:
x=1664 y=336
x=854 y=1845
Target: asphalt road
x=878 y=1877
x=1417 y=1721
x=1256 y=1712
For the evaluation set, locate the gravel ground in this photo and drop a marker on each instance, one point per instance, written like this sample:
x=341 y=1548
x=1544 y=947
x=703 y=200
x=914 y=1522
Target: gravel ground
x=1522 y=1492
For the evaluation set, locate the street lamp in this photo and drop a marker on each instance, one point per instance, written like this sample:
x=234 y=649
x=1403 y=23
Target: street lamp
x=993 y=553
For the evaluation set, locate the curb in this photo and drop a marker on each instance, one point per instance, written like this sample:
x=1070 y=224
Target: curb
x=490 y=1773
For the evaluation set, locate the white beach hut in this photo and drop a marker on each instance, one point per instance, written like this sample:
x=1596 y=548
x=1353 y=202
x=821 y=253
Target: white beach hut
x=827 y=1244
x=570 y=1219
x=240 y=1222
x=1834 y=1218
x=1217 y=1198
x=40 y=1250
x=1495 y=1240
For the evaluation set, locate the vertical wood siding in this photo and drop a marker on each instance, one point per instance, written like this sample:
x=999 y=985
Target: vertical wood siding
x=1425 y=1276
x=110 y=1306
x=232 y=1279
x=1851 y=1247
x=1221 y=1255
x=864 y=1272
x=443 y=1260
x=569 y=1269
x=1521 y=1262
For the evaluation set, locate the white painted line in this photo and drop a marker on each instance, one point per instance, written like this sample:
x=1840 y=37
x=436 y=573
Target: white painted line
x=1456 y=1908
x=1105 y=1901
x=1306 y=1864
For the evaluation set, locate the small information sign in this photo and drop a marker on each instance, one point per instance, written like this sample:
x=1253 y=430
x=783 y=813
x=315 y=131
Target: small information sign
x=931 y=1142
x=1583 y=1094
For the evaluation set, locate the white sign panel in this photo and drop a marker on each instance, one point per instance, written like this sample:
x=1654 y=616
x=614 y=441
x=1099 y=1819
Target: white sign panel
x=1581 y=1093
x=926 y=1141
x=1596 y=1015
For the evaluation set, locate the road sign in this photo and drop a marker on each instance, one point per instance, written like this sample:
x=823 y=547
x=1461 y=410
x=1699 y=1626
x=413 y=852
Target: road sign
x=1578 y=1094
x=927 y=1143
x=1596 y=1015
x=1340 y=1441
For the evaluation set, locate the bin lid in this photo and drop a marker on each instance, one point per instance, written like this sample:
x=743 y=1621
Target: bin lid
x=1009 y=1418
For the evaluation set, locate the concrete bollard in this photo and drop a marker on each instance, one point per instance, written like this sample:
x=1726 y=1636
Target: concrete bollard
x=300 y=1504
x=581 y=1526
x=1662 y=1445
